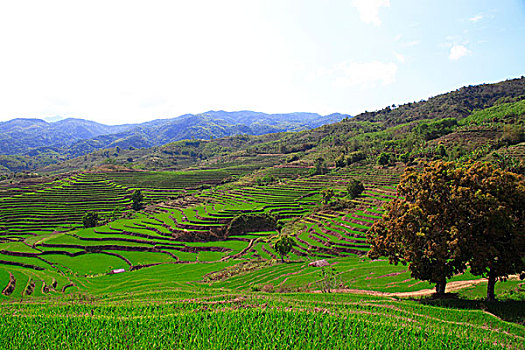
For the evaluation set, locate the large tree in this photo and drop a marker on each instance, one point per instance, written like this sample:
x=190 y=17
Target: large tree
x=497 y=221
x=449 y=215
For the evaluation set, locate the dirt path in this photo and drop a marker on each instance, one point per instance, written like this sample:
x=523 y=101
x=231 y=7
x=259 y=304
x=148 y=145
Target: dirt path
x=451 y=287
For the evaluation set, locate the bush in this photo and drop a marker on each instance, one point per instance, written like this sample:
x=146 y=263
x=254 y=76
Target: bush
x=327 y=194
x=266 y=179
x=283 y=245
x=340 y=161
x=90 y=219
x=355 y=157
x=137 y=199
x=355 y=188
x=252 y=223
x=341 y=204
x=319 y=167
x=384 y=158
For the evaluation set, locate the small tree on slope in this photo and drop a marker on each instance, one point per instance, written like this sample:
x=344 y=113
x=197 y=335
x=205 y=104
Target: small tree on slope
x=90 y=219
x=137 y=199
x=283 y=245
x=355 y=188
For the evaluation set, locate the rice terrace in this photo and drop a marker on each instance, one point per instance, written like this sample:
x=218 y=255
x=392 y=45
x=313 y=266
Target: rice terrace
x=399 y=226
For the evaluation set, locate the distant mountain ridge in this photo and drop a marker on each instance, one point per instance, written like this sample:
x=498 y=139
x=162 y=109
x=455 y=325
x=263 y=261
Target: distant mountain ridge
x=21 y=135
x=74 y=137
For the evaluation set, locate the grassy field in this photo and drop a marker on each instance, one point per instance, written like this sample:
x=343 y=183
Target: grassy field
x=213 y=320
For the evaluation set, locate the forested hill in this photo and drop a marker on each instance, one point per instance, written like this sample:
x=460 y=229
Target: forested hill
x=205 y=126
x=76 y=137
x=470 y=123
x=21 y=135
x=456 y=104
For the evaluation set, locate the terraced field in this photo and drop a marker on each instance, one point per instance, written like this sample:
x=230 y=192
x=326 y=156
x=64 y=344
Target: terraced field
x=57 y=205
x=169 y=277
x=45 y=248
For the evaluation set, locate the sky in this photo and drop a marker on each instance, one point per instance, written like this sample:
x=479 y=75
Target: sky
x=129 y=61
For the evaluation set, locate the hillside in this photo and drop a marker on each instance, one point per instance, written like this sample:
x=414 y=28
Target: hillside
x=18 y=136
x=403 y=134
x=205 y=126
x=27 y=144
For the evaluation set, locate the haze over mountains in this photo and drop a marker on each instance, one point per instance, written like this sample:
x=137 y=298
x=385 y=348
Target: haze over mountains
x=76 y=137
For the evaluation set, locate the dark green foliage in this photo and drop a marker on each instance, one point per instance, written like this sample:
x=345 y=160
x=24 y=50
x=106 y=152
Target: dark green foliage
x=405 y=158
x=384 y=158
x=456 y=104
x=244 y=223
x=283 y=245
x=292 y=158
x=340 y=161
x=355 y=157
x=435 y=129
x=90 y=219
x=355 y=188
x=266 y=179
x=319 y=167
x=441 y=151
x=137 y=198
x=513 y=134
x=506 y=162
x=341 y=204
x=327 y=194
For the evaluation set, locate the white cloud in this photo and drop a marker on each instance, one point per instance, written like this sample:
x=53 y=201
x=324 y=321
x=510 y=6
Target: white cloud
x=458 y=51
x=476 y=18
x=369 y=10
x=364 y=75
x=400 y=58
x=412 y=43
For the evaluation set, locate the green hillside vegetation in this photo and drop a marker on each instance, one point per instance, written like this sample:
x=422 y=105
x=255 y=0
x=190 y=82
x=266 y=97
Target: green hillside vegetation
x=28 y=144
x=403 y=133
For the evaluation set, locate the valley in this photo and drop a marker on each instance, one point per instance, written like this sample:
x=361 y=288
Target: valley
x=195 y=259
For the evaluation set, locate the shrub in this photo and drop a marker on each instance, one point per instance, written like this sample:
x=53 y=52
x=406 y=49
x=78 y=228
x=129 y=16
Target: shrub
x=355 y=188
x=355 y=157
x=137 y=199
x=90 y=219
x=283 y=245
x=383 y=158
x=252 y=223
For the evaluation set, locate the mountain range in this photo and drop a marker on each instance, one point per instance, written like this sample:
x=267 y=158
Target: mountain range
x=74 y=137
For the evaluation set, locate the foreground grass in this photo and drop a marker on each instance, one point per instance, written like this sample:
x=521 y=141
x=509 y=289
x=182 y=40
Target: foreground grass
x=211 y=320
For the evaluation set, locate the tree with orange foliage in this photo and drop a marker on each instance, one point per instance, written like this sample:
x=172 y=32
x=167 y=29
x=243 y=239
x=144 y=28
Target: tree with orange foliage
x=451 y=215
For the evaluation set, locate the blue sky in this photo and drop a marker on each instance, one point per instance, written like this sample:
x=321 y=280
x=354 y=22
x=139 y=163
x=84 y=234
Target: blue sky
x=131 y=61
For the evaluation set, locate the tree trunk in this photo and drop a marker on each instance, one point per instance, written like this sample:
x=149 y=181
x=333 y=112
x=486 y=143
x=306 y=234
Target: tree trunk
x=440 y=287
x=490 y=288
